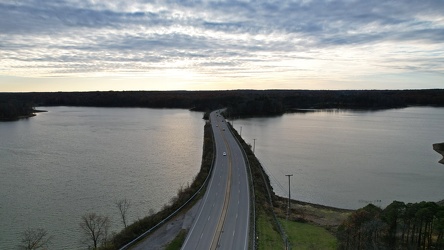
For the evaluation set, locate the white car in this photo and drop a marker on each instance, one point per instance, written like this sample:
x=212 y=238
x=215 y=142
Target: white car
x=225 y=154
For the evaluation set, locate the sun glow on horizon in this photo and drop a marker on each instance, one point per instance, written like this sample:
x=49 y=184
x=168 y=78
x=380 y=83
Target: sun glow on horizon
x=210 y=45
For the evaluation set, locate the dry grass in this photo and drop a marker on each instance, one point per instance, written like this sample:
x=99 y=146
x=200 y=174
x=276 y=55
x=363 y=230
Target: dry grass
x=327 y=217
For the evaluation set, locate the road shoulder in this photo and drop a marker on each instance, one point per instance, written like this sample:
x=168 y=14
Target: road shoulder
x=167 y=232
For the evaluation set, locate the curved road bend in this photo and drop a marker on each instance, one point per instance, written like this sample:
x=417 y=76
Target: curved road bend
x=222 y=221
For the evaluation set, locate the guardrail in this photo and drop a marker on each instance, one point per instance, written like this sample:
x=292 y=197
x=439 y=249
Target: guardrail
x=180 y=208
x=252 y=197
x=281 y=230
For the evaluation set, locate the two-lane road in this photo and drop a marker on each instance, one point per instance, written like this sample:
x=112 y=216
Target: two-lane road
x=223 y=218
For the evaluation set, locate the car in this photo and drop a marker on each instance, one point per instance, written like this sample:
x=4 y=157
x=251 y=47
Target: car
x=217 y=125
x=223 y=129
x=225 y=154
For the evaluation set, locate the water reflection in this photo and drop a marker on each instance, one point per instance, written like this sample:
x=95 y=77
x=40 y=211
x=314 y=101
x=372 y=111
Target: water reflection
x=70 y=161
x=341 y=157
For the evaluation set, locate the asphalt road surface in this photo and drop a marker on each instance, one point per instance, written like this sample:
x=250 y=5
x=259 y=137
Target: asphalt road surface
x=222 y=221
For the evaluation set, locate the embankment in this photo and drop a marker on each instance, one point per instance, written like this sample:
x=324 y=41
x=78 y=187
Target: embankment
x=154 y=221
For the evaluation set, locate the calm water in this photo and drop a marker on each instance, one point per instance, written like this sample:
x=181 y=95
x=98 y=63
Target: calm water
x=59 y=165
x=348 y=159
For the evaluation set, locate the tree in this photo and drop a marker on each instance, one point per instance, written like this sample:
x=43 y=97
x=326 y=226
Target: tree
x=392 y=215
x=398 y=226
x=361 y=230
x=33 y=239
x=123 y=206
x=95 y=228
x=439 y=227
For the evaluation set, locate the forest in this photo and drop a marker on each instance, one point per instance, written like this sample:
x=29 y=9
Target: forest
x=398 y=226
x=239 y=103
x=12 y=109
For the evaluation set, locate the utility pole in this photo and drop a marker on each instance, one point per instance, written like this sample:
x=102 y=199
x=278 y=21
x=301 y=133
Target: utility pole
x=254 y=144
x=289 y=194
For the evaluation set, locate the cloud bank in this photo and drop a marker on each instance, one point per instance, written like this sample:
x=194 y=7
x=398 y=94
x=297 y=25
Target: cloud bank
x=280 y=43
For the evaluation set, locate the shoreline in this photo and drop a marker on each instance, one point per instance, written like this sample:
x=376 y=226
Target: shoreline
x=13 y=119
x=320 y=206
x=16 y=118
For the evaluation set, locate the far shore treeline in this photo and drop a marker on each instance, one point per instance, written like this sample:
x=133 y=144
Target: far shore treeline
x=398 y=226
x=239 y=103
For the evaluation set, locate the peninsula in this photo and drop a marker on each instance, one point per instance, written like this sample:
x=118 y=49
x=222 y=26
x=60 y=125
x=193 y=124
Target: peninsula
x=439 y=147
x=12 y=110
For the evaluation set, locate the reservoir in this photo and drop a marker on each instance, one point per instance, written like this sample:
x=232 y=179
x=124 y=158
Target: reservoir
x=70 y=161
x=348 y=159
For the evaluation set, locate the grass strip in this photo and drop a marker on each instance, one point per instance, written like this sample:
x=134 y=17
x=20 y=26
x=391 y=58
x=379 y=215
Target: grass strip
x=178 y=241
x=267 y=235
x=307 y=236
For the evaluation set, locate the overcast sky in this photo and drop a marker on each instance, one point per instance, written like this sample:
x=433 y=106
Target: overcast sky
x=72 y=45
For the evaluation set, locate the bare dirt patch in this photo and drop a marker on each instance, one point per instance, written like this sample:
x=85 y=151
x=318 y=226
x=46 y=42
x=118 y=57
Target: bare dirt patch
x=324 y=216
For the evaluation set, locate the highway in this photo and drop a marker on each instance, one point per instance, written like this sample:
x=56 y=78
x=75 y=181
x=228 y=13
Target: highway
x=222 y=221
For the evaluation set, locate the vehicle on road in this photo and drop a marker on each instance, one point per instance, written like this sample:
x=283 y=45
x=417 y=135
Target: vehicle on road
x=225 y=154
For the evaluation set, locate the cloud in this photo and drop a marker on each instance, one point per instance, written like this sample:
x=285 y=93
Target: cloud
x=294 y=39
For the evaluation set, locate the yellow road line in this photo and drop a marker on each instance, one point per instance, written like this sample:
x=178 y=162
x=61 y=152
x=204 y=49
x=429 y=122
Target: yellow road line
x=220 y=224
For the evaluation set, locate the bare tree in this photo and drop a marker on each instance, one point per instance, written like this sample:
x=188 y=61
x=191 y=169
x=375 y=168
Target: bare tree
x=33 y=239
x=95 y=228
x=123 y=206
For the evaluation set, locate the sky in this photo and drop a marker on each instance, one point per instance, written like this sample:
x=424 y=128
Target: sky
x=89 y=45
